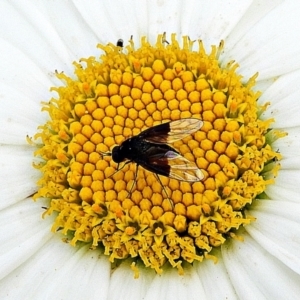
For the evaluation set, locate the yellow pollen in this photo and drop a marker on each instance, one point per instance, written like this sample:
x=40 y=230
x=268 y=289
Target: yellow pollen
x=130 y=230
x=125 y=208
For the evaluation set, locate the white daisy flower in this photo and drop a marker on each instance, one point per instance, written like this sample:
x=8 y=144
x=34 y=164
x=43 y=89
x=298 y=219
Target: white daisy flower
x=38 y=40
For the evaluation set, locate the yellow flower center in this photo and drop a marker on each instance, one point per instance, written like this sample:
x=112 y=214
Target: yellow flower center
x=138 y=215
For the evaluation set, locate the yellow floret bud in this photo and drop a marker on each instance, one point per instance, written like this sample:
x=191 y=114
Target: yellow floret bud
x=158 y=66
x=127 y=79
x=75 y=127
x=180 y=223
x=79 y=110
x=147 y=73
x=157 y=80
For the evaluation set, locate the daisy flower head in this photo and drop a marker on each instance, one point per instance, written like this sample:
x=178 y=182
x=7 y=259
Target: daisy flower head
x=208 y=208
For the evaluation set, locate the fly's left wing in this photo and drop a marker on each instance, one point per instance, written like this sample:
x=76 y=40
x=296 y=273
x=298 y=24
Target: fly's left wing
x=171 y=164
x=171 y=131
x=182 y=169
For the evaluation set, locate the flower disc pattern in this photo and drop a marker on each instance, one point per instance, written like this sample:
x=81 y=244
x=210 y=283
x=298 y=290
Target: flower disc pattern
x=123 y=93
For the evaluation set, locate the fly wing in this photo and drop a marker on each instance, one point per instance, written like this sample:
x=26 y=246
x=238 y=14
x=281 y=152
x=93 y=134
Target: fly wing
x=183 y=169
x=171 y=131
x=171 y=164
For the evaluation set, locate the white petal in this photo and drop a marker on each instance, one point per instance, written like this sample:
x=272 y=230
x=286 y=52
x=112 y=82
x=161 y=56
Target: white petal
x=164 y=17
x=256 y=274
x=33 y=35
x=277 y=230
x=261 y=48
x=283 y=95
x=124 y=286
x=21 y=95
x=170 y=285
x=19 y=118
x=78 y=40
x=291 y=163
x=215 y=280
x=289 y=145
x=17 y=66
x=110 y=21
x=256 y=10
x=211 y=21
x=18 y=177
x=22 y=233
x=61 y=271
x=287 y=186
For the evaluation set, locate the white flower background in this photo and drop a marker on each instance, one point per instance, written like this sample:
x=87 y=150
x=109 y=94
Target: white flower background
x=39 y=37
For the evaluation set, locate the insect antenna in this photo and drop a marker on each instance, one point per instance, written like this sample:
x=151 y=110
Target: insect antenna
x=105 y=153
x=117 y=169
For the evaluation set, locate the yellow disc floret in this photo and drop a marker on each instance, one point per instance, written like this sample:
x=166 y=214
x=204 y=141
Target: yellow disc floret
x=133 y=214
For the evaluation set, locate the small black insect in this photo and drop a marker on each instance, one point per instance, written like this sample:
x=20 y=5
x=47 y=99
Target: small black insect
x=149 y=149
x=120 y=43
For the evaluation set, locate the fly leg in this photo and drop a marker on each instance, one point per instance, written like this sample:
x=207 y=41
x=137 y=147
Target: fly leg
x=164 y=189
x=119 y=169
x=134 y=181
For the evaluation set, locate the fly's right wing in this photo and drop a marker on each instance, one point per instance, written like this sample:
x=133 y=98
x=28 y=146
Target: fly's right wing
x=171 y=131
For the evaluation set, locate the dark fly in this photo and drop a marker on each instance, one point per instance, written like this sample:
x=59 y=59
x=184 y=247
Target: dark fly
x=120 y=43
x=150 y=150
